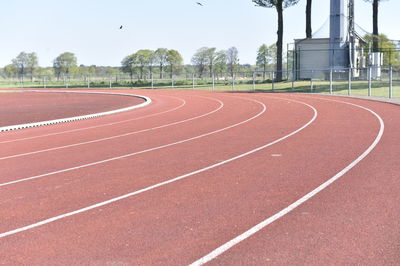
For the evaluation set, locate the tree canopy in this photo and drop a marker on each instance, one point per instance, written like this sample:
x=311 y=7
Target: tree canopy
x=174 y=60
x=375 y=29
x=64 y=63
x=279 y=5
x=391 y=55
x=266 y=55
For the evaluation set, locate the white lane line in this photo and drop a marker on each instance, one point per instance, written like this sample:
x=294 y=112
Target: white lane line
x=183 y=103
x=223 y=248
x=139 y=152
x=221 y=104
x=91 y=207
x=81 y=117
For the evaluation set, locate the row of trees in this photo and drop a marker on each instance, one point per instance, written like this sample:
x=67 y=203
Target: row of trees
x=211 y=60
x=160 y=61
x=23 y=63
x=26 y=65
x=164 y=60
x=147 y=59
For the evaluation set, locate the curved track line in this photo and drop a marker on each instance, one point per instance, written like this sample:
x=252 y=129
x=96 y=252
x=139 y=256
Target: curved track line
x=103 y=125
x=218 y=251
x=91 y=207
x=221 y=105
x=138 y=152
x=81 y=117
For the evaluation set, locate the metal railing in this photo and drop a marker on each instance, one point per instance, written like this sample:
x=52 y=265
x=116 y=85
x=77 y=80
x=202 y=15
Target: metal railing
x=381 y=81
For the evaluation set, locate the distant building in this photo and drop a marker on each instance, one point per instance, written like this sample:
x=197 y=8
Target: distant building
x=343 y=49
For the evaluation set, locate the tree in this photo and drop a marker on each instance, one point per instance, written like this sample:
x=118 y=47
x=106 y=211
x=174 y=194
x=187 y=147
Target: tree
x=391 y=55
x=127 y=65
x=265 y=56
x=199 y=59
x=10 y=70
x=21 y=62
x=174 y=60
x=210 y=56
x=375 y=31
x=279 y=5
x=63 y=63
x=232 y=59
x=220 y=62
x=308 y=19
x=160 y=58
x=32 y=63
x=143 y=59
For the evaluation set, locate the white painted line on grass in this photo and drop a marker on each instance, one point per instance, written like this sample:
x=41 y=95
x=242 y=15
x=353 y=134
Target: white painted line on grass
x=81 y=117
x=91 y=207
x=183 y=102
x=218 y=251
x=221 y=104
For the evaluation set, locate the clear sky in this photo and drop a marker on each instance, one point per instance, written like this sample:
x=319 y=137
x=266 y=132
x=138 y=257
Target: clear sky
x=90 y=28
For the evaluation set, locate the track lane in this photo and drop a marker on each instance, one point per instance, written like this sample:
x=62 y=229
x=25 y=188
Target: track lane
x=97 y=125
x=160 y=227
x=81 y=156
x=164 y=104
x=220 y=251
x=100 y=129
x=111 y=137
x=355 y=221
x=31 y=107
x=145 y=175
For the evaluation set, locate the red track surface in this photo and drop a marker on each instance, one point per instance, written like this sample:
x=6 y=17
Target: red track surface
x=353 y=221
x=29 y=107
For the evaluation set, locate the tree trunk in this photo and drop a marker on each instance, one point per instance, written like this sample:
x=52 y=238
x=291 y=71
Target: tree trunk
x=375 y=32
x=279 y=43
x=308 y=19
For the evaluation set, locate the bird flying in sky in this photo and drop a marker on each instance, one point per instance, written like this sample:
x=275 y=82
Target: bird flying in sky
x=200 y=4
x=120 y=27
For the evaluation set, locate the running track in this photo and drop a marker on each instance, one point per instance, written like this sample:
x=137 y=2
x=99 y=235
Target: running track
x=207 y=177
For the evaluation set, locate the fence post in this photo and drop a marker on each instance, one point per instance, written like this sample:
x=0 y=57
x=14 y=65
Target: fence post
x=292 y=79
x=110 y=78
x=390 y=82
x=44 y=82
x=369 y=81
x=311 y=81
x=192 y=80
x=254 y=81
x=152 y=80
x=213 y=81
x=273 y=81
x=233 y=81
x=330 y=81
x=172 y=80
x=349 y=85
x=88 y=82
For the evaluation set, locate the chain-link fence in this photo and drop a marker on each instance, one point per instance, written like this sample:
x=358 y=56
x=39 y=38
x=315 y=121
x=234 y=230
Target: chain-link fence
x=370 y=81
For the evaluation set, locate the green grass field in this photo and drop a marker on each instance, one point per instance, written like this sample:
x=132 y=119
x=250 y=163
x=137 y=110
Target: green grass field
x=358 y=88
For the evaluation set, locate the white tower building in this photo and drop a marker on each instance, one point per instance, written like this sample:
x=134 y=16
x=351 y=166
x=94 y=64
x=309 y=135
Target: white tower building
x=342 y=49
